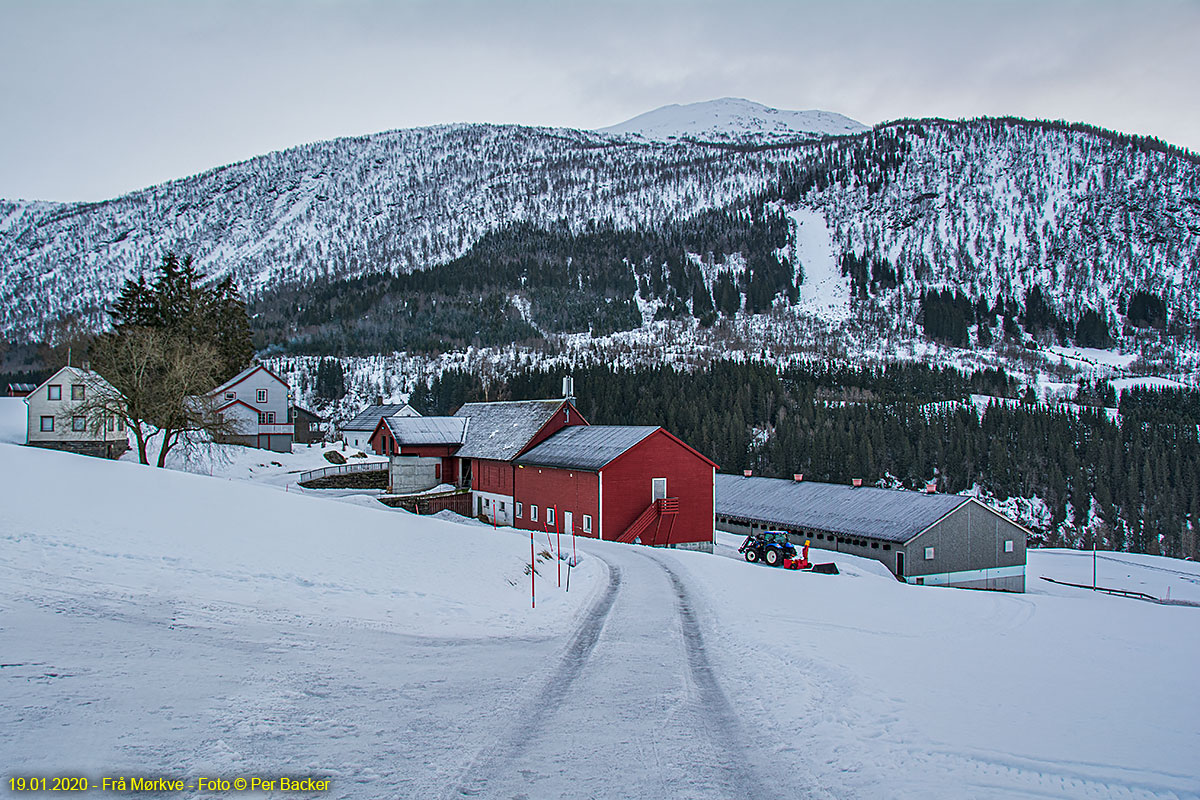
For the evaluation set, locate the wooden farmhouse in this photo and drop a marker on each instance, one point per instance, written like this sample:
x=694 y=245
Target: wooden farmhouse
x=255 y=402
x=58 y=419
x=539 y=465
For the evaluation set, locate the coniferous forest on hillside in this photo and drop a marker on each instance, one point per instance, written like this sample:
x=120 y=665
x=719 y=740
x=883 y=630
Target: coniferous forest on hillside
x=1132 y=484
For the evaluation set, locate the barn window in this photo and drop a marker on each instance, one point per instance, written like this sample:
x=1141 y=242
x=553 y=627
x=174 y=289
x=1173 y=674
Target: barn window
x=518 y=509
x=929 y=554
x=231 y=395
x=532 y=513
x=874 y=545
x=112 y=424
x=501 y=506
x=887 y=547
x=587 y=523
x=820 y=536
x=47 y=424
x=550 y=516
x=54 y=392
x=1008 y=545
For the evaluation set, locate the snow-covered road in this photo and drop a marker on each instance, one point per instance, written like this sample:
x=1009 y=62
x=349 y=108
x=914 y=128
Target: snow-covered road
x=631 y=707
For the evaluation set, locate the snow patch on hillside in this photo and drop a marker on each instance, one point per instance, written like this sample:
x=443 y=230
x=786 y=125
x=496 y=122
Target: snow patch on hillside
x=825 y=292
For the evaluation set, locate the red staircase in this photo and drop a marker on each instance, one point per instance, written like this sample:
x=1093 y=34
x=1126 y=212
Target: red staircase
x=668 y=507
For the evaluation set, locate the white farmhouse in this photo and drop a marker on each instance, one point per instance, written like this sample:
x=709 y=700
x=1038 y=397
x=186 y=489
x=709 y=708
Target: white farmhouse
x=57 y=417
x=256 y=401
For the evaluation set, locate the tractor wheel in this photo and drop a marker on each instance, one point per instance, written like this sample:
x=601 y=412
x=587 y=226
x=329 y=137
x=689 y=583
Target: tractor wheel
x=772 y=557
x=751 y=555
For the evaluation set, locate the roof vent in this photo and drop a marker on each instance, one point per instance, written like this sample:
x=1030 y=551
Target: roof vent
x=931 y=487
x=378 y=399
x=799 y=476
x=857 y=483
x=746 y=473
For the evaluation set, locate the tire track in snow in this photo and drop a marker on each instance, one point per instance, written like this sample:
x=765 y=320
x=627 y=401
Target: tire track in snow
x=719 y=717
x=479 y=772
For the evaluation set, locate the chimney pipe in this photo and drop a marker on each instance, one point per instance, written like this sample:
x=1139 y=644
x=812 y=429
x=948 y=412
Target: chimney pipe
x=931 y=487
x=746 y=473
x=857 y=483
x=799 y=476
x=378 y=399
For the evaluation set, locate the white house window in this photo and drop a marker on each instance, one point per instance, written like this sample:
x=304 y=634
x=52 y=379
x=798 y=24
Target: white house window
x=928 y=553
x=1008 y=545
x=261 y=396
x=112 y=424
x=533 y=513
x=54 y=392
x=78 y=424
x=47 y=424
x=549 y=516
x=518 y=509
x=270 y=417
x=231 y=395
x=121 y=424
x=587 y=523
x=77 y=391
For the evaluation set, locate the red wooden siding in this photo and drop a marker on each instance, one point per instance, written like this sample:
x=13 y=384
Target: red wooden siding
x=567 y=415
x=491 y=476
x=569 y=490
x=627 y=487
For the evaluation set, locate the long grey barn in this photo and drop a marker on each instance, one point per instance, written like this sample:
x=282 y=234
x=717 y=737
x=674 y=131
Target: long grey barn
x=929 y=539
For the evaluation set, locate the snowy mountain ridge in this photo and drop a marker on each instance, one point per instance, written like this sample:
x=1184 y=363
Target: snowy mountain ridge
x=734 y=118
x=988 y=208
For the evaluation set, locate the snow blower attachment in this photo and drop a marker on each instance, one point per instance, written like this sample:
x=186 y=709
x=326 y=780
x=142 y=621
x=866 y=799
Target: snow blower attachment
x=775 y=549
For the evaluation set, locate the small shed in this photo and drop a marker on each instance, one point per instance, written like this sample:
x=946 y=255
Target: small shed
x=617 y=482
x=923 y=538
x=306 y=425
x=21 y=389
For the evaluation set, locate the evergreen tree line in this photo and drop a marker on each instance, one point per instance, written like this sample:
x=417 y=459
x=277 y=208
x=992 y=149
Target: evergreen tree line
x=568 y=281
x=908 y=423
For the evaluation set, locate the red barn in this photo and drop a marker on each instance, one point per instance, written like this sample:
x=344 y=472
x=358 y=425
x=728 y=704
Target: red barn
x=617 y=482
x=496 y=434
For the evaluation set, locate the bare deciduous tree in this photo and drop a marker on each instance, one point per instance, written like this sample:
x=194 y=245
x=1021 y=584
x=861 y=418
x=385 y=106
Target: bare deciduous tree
x=156 y=381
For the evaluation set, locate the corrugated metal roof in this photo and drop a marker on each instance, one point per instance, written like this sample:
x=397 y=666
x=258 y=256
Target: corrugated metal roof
x=427 y=430
x=369 y=417
x=889 y=514
x=500 y=430
x=586 y=447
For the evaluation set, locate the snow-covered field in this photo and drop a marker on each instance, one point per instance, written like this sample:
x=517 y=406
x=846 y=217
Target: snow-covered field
x=158 y=622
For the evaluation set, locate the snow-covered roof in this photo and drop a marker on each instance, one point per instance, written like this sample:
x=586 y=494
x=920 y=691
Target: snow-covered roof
x=427 y=430
x=889 y=514
x=500 y=431
x=586 y=447
x=368 y=418
x=246 y=373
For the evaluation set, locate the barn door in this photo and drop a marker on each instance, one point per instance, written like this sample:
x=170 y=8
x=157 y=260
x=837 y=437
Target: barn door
x=658 y=489
x=567 y=522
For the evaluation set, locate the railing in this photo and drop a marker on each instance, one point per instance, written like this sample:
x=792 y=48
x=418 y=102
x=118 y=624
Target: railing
x=1121 y=592
x=342 y=469
x=458 y=501
x=653 y=513
x=275 y=427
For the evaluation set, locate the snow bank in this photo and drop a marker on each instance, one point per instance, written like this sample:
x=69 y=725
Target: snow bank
x=132 y=531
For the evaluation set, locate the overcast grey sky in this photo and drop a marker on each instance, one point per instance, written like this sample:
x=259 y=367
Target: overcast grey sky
x=100 y=97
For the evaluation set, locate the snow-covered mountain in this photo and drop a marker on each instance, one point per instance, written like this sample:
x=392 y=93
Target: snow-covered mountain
x=989 y=209
x=734 y=118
